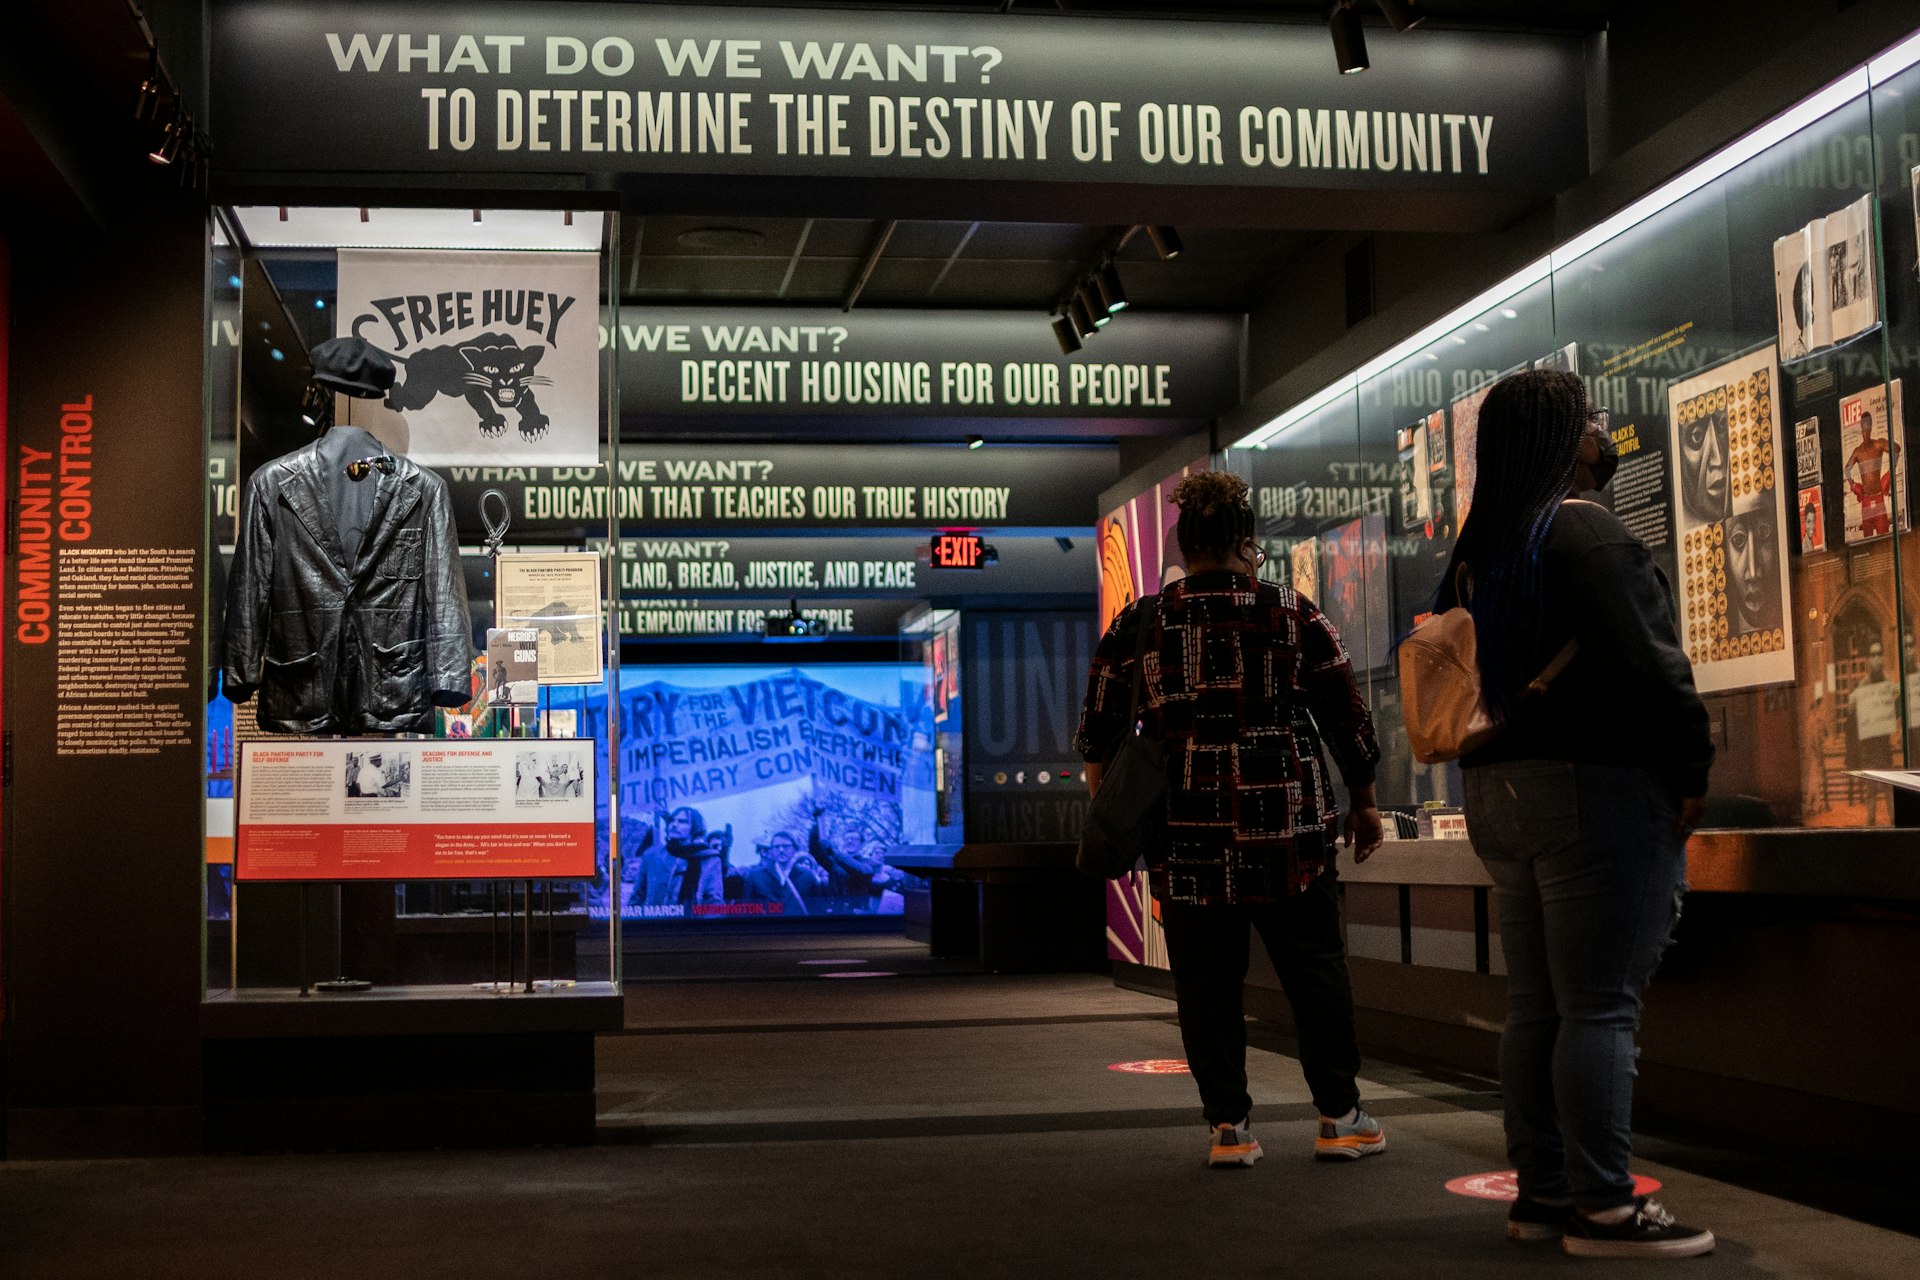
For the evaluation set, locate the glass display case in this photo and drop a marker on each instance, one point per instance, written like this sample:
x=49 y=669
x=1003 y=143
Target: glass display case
x=470 y=849
x=1752 y=330
x=930 y=637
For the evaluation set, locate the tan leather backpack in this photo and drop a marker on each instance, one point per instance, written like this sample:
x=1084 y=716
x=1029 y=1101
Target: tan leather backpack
x=1440 y=694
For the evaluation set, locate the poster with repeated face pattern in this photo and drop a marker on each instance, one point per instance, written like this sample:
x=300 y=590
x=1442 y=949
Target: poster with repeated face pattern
x=1731 y=522
x=1466 y=455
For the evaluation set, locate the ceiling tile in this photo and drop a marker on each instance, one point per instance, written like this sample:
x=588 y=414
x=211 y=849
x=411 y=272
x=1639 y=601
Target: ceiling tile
x=927 y=240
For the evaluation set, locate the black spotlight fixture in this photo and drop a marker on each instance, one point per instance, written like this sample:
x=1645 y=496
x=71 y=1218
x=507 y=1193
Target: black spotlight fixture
x=1112 y=296
x=1349 y=39
x=193 y=159
x=1401 y=15
x=149 y=98
x=1065 y=334
x=167 y=150
x=1166 y=242
x=1082 y=318
x=1096 y=310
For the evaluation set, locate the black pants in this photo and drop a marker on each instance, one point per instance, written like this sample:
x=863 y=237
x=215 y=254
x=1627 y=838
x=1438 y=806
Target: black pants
x=1208 y=947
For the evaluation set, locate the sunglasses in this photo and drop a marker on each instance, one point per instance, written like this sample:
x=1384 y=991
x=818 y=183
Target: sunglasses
x=360 y=468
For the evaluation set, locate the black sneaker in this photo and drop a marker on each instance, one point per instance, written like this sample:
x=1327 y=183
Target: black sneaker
x=1531 y=1220
x=1648 y=1232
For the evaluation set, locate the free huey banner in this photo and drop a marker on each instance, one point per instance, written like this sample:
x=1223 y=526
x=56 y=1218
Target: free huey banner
x=497 y=353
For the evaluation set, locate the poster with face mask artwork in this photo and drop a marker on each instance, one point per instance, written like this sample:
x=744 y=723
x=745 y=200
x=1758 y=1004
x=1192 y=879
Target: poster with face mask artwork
x=1730 y=520
x=497 y=354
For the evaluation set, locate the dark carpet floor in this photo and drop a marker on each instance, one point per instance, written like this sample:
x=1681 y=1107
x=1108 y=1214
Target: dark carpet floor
x=926 y=1125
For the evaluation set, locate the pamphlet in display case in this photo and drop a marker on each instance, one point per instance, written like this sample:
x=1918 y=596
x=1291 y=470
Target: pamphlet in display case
x=559 y=596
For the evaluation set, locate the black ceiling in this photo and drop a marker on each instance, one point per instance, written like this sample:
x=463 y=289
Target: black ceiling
x=1001 y=264
x=1010 y=265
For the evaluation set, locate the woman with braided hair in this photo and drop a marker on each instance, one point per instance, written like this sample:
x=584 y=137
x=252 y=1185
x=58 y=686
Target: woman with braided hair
x=1237 y=675
x=1579 y=808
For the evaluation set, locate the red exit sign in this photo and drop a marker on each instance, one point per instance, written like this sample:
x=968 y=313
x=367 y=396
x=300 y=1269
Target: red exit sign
x=959 y=551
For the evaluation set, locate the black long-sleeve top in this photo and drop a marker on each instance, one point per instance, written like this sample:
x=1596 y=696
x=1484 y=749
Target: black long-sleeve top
x=1627 y=698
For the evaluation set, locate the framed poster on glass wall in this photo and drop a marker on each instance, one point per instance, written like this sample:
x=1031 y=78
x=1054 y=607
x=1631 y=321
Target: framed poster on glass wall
x=1730 y=520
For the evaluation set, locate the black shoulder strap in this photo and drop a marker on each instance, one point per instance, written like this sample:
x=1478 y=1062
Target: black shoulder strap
x=1150 y=614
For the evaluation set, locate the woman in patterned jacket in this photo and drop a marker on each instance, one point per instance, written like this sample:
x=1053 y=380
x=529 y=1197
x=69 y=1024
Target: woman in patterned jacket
x=1238 y=673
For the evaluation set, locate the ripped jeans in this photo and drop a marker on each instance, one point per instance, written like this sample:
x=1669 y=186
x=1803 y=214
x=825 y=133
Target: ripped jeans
x=1589 y=870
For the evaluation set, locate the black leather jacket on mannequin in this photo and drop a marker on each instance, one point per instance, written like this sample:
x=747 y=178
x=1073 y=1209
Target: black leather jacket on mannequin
x=346 y=608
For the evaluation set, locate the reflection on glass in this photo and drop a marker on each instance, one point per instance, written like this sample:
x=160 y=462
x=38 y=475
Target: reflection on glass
x=1795 y=598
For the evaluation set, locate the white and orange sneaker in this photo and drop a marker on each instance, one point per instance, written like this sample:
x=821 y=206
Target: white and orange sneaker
x=1349 y=1139
x=1233 y=1146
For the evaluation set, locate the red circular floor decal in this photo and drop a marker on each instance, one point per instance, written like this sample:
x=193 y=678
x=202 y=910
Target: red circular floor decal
x=1152 y=1067
x=1505 y=1185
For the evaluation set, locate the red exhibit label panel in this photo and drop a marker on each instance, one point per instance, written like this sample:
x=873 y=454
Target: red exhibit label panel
x=418 y=809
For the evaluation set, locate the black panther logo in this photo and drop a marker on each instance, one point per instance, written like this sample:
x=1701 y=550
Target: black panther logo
x=557 y=620
x=492 y=371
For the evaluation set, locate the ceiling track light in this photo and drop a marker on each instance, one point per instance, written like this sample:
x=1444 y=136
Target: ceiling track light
x=1349 y=38
x=167 y=150
x=1082 y=318
x=148 y=100
x=192 y=169
x=1112 y=295
x=1166 y=242
x=1065 y=334
x=974 y=442
x=1401 y=15
x=1096 y=311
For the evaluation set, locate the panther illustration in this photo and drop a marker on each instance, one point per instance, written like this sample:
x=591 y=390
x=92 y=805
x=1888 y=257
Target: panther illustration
x=557 y=620
x=492 y=371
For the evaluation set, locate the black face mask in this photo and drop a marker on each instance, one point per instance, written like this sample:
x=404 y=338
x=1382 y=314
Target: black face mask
x=1609 y=459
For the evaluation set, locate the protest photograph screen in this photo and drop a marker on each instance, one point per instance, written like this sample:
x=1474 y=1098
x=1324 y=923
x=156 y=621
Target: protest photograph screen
x=771 y=791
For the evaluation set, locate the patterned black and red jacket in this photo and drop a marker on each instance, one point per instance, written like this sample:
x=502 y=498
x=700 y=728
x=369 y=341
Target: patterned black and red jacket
x=1244 y=681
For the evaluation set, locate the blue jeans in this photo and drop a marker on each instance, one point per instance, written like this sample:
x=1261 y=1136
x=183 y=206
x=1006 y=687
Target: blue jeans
x=1589 y=866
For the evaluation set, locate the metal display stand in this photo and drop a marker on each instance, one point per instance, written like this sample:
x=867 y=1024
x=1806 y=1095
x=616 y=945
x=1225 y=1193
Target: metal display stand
x=341 y=985
x=518 y=975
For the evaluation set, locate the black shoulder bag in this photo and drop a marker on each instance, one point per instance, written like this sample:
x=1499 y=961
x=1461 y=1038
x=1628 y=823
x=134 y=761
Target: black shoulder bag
x=1127 y=820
